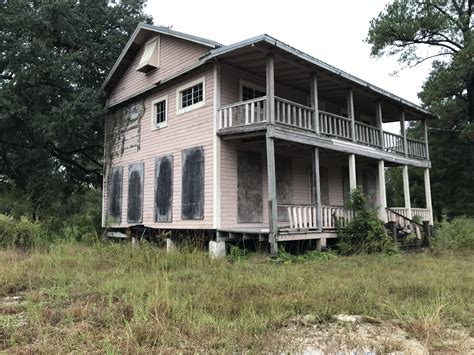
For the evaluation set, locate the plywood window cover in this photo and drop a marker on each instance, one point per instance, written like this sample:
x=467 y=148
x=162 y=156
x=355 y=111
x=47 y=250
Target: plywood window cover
x=151 y=56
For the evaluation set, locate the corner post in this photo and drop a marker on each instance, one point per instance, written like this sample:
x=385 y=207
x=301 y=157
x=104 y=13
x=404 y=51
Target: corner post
x=406 y=191
x=216 y=203
x=429 y=206
x=424 y=129
x=352 y=172
x=350 y=113
x=403 y=131
x=379 y=117
x=382 y=193
x=314 y=101
x=317 y=189
x=272 y=196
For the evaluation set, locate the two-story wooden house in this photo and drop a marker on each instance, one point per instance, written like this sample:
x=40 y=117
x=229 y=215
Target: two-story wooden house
x=254 y=139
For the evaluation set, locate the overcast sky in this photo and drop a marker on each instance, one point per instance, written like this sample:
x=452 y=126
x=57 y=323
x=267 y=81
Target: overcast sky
x=332 y=31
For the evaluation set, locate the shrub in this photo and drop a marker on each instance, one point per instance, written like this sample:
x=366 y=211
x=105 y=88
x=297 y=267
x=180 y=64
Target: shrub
x=21 y=233
x=365 y=233
x=457 y=234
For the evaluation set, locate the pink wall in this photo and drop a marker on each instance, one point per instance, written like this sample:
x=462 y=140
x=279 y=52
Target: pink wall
x=175 y=55
x=186 y=130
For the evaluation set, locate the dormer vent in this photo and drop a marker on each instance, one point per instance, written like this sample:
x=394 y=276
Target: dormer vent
x=151 y=56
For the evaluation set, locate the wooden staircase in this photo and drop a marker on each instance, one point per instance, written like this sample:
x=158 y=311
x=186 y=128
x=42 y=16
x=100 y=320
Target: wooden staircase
x=409 y=233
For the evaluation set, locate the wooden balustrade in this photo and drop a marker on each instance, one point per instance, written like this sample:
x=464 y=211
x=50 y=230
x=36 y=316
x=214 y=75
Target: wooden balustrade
x=393 y=143
x=422 y=213
x=332 y=215
x=242 y=113
x=416 y=148
x=302 y=217
x=333 y=125
x=294 y=114
x=367 y=134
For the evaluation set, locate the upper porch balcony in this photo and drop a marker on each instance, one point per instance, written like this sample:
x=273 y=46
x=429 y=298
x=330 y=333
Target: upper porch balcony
x=252 y=116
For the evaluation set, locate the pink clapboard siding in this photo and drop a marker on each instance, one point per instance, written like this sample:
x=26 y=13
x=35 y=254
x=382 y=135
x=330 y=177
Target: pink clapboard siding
x=185 y=130
x=175 y=55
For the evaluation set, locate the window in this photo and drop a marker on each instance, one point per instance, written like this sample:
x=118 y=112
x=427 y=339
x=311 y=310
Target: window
x=249 y=91
x=190 y=96
x=115 y=195
x=159 y=117
x=192 y=195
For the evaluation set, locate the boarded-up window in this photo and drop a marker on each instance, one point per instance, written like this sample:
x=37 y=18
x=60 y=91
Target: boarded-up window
x=115 y=195
x=324 y=185
x=249 y=188
x=283 y=186
x=369 y=184
x=192 y=197
x=135 y=193
x=163 y=188
x=346 y=185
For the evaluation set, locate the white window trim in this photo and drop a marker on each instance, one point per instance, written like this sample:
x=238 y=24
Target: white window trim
x=154 y=125
x=179 y=109
x=251 y=85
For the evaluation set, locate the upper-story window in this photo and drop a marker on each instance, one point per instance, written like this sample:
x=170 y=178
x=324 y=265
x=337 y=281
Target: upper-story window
x=159 y=117
x=249 y=91
x=190 y=96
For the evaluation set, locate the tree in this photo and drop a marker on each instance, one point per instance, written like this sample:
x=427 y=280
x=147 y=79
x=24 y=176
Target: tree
x=54 y=57
x=440 y=31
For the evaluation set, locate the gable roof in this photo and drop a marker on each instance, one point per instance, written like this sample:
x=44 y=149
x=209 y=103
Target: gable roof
x=137 y=38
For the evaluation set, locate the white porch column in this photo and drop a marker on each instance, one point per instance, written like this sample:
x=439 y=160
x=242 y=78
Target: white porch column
x=350 y=112
x=378 y=115
x=317 y=189
x=406 y=191
x=314 y=101
x=352 y=172
x=403 y=132
x=429 y=206
x=382 y=192
x=424 y=129
x=272 y=196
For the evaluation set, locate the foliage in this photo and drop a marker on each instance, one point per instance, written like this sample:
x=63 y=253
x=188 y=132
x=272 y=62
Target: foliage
x=440 y=31
x=312 y=255
x=365 y=233
x=21 y=234
x=237 y=254
x=55 y=56
x=455 y=235
x=143 y=300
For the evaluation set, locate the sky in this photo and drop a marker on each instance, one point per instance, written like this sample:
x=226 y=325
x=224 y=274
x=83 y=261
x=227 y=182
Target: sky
x=332 y=31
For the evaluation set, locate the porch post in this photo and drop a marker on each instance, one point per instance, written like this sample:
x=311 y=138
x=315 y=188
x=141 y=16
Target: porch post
x=424 y=128
x=314 y=101
x=350 y=112
x=352 y=172
x=317 y=189
x=429 y=206
x=378 y=115
x=272 y=196
x=406 y=191
x=403 y=131
x=382 y=192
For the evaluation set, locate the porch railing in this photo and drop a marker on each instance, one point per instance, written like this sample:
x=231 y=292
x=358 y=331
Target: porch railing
x=367 y=134
x=294 y=114
x=304 y=216
x=422 y=213
x=242 y=113
x=299 y=116
x=332 y=215
x=334 y=125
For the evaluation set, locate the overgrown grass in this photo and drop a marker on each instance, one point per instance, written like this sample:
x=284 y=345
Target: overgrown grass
x=115 y=298
x=456 y=235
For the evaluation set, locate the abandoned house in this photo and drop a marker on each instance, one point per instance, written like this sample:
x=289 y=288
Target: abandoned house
x=250 y=140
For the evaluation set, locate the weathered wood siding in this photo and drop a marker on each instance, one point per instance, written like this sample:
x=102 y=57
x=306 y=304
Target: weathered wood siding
x=175 y=55
x=183 y=131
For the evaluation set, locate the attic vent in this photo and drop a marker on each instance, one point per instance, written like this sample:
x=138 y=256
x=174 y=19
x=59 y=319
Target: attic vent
x=150 y=59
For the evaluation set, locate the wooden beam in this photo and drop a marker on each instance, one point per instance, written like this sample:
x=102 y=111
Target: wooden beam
x=424 y=128
x=216 y=213
x=350 y=112
x=272 y=197
x=314 y=101
x=406 y=191
x=379 y=117
x=382 y=192
x=317 y=189
x=352 y=172
x=403 y=132
x=429 y=205
x=270 y=76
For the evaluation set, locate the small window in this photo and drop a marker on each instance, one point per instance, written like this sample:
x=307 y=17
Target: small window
x=249 y=91
x=190 y=96
x=159 y=113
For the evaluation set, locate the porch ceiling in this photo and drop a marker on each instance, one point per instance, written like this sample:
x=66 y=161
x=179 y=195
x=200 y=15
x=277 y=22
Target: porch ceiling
x=292 y=71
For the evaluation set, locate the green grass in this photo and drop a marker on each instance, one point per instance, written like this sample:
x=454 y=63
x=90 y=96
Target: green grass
x=115 y=298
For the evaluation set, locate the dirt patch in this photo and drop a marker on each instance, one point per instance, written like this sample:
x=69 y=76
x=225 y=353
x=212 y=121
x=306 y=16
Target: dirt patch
x=353 y=334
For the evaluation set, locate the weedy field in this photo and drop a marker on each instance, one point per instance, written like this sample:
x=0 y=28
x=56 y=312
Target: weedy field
x=116 y=298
